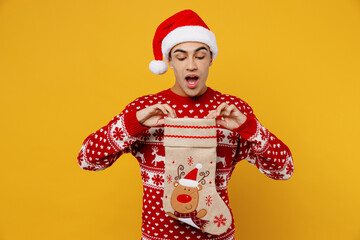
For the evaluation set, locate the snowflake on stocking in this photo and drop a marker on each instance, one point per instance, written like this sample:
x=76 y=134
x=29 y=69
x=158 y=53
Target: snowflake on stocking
x=169 y=178
x=220 y=220
x=190 y=161
x=208 y=200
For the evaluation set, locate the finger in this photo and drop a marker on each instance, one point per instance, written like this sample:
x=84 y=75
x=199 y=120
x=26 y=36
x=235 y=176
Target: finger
x=162 y=108
x=220 y=108
x=170 y=110
x=229 y=109
x=211 y=115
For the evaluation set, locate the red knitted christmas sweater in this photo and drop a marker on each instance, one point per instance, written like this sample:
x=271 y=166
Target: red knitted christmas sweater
x=124 y=134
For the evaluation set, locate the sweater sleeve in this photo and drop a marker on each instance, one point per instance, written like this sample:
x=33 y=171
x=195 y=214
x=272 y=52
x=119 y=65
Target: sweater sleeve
x=271 y=156
x=101 y=148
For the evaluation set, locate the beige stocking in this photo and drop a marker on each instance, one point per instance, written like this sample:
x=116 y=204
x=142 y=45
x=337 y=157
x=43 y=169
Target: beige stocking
x=190 y=163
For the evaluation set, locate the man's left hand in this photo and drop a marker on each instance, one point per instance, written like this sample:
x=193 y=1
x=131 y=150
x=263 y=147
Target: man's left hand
x=232 y=117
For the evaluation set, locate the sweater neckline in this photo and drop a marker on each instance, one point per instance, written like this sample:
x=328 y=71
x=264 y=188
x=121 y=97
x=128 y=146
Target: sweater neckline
x=206 y=96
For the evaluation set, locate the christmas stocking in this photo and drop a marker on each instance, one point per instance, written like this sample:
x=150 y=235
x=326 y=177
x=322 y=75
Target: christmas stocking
x=190 y=163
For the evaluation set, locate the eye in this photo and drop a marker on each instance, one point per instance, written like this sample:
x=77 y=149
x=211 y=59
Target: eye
x=181 y=59
x=200 y=57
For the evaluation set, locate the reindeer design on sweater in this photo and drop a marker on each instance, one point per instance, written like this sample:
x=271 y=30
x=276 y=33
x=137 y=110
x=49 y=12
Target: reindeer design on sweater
x=141 y=156
x=158 y=158
x=222 y=159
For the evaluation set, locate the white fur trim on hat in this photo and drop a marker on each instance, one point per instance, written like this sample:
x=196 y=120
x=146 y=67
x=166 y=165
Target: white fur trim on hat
x=158 y=67
x=189 y=34
x=188 y=182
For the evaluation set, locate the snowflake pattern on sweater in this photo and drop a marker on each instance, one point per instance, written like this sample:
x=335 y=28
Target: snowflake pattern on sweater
x=124 y=134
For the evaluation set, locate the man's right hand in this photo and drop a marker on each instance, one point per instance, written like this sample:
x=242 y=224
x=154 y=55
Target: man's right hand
x=152 y=115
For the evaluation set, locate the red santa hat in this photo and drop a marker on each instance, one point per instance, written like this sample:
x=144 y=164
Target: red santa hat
x=190 y=179
x=184 y=26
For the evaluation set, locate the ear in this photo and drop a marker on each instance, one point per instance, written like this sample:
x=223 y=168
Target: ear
x=199 y=187
x=170 y=64
x=176 y=183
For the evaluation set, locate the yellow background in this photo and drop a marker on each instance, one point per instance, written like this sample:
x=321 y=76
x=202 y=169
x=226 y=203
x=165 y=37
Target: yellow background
x=67 y=67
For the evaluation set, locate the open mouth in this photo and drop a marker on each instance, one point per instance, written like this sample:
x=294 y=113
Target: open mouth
x=192 y=80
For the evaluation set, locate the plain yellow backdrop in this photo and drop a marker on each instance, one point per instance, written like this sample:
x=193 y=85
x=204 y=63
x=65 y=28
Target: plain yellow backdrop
x=67 y=67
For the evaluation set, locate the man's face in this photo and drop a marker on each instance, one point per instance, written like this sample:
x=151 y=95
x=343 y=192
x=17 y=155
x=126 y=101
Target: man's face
x=190 y=62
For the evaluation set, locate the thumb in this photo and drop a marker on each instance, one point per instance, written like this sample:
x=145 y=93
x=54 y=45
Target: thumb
x=211 y=115
x=160 y=122
x=221 y=122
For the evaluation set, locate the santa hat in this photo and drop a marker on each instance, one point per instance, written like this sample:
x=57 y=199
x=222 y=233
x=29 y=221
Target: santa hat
x=184 y=26
x=190 y=179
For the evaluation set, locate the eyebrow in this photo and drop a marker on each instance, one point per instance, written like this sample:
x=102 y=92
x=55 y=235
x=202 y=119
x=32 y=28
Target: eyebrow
x=198 y=49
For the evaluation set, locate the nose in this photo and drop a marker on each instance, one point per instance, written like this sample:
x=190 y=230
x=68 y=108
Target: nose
x=191 y=65
x=183 y=198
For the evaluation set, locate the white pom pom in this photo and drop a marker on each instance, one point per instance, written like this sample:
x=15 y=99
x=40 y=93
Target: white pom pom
x=198 y=166
x=158 y=67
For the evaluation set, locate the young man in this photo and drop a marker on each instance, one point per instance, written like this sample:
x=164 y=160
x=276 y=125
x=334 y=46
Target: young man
x=190 y=47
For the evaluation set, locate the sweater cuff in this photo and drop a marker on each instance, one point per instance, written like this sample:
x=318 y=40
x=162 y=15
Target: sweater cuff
x=247 y=129
x=132 y=125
